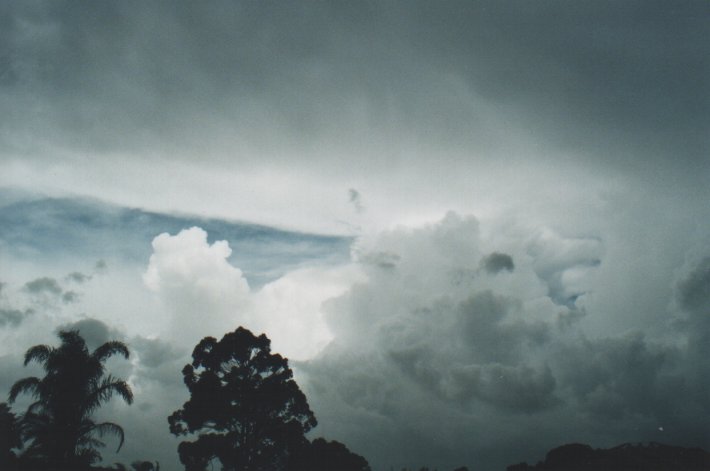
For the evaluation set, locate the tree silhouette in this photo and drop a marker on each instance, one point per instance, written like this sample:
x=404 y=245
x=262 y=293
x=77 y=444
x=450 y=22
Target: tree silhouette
x=247 y=409
x=59 y=423
x=9 y=438
x=322 y=455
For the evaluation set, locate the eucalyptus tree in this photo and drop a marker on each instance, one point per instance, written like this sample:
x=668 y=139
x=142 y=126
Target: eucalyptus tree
x=246 y=409
x=58 y=426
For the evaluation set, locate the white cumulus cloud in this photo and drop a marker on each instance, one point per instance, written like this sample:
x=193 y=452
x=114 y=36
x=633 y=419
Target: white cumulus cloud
x=205 y=294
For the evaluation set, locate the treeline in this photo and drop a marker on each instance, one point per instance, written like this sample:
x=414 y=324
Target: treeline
x=245 y=412
x=626 y=457
x=463 y=468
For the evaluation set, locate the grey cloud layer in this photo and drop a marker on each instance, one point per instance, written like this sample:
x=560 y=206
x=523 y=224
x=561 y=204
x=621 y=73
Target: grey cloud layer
x=626 y=83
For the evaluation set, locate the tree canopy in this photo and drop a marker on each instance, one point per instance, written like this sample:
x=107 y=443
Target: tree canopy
x=245 y=406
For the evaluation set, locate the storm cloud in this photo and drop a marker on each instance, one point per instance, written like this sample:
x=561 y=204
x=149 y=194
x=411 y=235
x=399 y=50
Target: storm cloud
x=227 y=61
x=496 y=262
x=448 y=97
x=43 y=285
x=412 y=344
x=12 y=317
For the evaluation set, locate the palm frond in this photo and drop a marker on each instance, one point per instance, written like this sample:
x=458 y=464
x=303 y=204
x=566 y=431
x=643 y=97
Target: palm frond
x=35 y=427
x=88 y=456
x=109 y=349
x=37 y=407
x=38 y=353
x=25 y=385
x=108 y=387
x=109 y=428
x=87 y=441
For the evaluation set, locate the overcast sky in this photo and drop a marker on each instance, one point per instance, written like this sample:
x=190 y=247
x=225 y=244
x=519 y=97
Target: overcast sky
x=478 y=229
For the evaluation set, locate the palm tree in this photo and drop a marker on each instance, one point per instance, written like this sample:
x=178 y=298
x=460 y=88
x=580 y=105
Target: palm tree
x=59 y=423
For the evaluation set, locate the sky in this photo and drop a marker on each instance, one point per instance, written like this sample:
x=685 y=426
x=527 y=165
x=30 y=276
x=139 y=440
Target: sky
x=478 y=230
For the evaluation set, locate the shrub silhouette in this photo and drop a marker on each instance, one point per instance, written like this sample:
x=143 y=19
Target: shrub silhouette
x=59 y=425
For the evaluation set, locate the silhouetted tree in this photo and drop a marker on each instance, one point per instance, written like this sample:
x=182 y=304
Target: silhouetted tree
x=9 y=438
x=245 y=406
x=59 y=423
x=322 y=455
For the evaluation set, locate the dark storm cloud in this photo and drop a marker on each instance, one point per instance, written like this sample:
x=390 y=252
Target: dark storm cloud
x=413 y=348
x=497 y=262
x=569 y=318
x=693 y=292
x=594 y=76
x=627 y=82
x=10 y=315
x=518 y=388
x=46 y=288
x=155 y=353
x=692 y=296
x=93 y=331
x=44 y=285
x=483 y=328
x=461 y=355
x=623 y=376
x=77 y=277
x=149 y=71
x=159 y=363
x=13 y=317
x=70 y=296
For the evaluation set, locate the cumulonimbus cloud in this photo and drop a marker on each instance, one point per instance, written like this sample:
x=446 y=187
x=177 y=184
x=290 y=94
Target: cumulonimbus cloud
x=430 y=334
